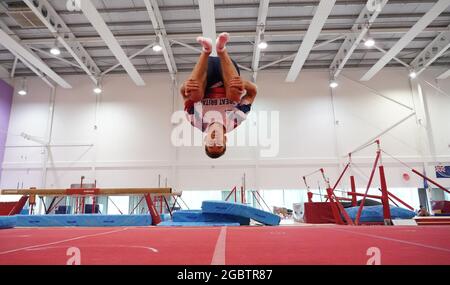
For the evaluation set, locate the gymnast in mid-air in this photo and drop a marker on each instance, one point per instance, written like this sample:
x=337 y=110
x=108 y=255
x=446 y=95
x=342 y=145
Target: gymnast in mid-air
x=216 y=98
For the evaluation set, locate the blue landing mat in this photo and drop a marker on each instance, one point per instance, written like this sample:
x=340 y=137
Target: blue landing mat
x=87 y=220
x=229 y=208
x=184 y=216
x=375 y=213
x=7 y=222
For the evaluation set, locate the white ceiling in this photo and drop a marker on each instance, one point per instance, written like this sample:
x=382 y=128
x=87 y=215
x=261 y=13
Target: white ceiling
x=287 y=22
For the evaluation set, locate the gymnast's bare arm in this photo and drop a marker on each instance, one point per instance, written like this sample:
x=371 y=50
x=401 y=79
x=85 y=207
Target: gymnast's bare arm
x=251 y=89
x=191 y=90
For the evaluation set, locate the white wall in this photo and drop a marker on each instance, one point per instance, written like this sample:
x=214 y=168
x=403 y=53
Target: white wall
x=130 y=129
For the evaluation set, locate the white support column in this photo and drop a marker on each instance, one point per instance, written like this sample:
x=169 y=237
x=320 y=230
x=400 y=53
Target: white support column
x=208 y=21
x=432 y=52
x=105 y=33
x=317 y=23
x=363 y=23
x=432 y=14
x=158 y=26
x=260 y=26
x=47 y=14
x=425 y=138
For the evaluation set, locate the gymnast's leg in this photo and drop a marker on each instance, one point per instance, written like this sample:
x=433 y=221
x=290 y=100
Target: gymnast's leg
x=194 y=88
x=234 y=86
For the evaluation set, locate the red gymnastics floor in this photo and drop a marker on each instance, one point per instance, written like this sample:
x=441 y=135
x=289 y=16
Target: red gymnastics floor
x=283 y=245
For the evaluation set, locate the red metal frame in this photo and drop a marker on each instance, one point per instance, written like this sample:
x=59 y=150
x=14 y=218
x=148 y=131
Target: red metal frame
x=358 y=215
x=385 y=196
x=231 y=193
x=19 y=206
x=156 y=218
x=353 y=187
x=430 y=180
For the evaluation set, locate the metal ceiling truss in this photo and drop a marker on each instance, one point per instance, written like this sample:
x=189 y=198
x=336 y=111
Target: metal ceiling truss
x=160 y=30
x=363 y=23
x=432 y=52
x=415 y=30
x=12 y=42
x=94 y=17
x=64 y=35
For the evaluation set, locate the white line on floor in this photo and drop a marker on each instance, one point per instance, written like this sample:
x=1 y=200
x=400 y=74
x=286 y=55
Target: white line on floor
x=397 y=240
x=61 y=241
x=219 y=252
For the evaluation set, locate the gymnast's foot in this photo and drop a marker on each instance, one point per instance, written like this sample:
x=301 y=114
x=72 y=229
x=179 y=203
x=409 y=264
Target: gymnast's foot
x=221 y=41
x=206 y=44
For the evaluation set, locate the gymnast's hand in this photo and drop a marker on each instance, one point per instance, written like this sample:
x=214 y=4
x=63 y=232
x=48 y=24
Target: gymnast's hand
x=192 y=90
x=236 y=84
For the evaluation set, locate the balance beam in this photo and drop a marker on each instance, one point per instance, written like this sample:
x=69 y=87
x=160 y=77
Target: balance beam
x=90 y=191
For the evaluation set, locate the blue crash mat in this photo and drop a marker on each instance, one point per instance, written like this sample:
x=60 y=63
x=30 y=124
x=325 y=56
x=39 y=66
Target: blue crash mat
x=199 y=216
x=375 y=213
x=229 y=208
x=7 y=222
x=196 y=224
x=86 y=220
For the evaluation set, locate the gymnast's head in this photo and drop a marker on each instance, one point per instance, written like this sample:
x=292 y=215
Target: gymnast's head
x=215 y=141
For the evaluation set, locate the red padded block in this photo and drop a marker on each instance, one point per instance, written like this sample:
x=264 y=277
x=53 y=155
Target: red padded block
x=318 y=213
x=6 y=207
x=444 y=206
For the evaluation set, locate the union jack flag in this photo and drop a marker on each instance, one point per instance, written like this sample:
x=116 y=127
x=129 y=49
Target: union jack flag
x=442 y=171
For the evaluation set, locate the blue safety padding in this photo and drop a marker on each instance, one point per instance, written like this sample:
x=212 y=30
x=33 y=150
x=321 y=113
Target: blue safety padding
x=7 y=222
x=229 y=208
x=200 y=216
x=196 y=224
x=86 y=220
x=375 y=213
x=165 y=217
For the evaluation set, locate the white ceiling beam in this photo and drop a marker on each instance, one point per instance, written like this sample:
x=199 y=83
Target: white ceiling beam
x=208 y=21
x=434 y=12
x=362 y=25
x=199 y=51
x=13 y=69
x=48 y=15
x=237 y=35
x=260 y=27
x=432 y=52
x=5 y=28
x=294 y=54
x=26 y=56
x=105 y=33
x=314 y=29
x=56 y=57
x=160 y=30
x=444 y=75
